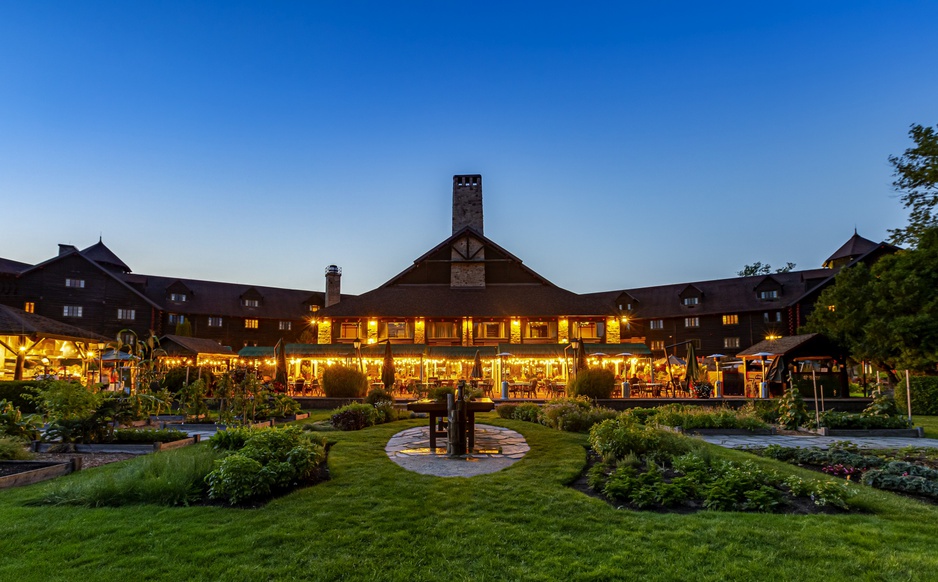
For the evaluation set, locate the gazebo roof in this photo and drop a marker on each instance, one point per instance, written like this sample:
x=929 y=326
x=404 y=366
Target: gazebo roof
x=17 y=322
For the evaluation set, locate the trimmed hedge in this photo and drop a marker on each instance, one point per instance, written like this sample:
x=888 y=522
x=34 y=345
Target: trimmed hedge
x=593 y=383
x=924 y=395
x=342 y=382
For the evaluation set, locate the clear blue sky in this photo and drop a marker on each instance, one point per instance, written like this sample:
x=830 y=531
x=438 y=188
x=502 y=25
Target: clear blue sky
x=621 y=144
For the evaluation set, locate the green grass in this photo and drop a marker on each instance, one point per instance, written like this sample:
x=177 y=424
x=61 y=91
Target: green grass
x=375 y=521
x=929 y=423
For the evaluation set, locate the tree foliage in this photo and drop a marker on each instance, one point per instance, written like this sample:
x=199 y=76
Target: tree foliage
x=916 y=177
x=758 y=268
x=886 y=314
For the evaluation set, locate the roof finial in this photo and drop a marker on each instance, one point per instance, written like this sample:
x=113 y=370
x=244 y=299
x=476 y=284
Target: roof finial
x=99 y=237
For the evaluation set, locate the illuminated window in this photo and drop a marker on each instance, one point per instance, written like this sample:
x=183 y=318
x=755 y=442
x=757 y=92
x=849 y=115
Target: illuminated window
x=285 y=326
x=691 y=301
x=214 y=322
x=657 y=345
x=250 y=324
x=314 y=308
x=730 y=319
x=397 y=329
x=75 y=283
x=691 y=322
x=731 y=342
x=71 y=311
x=29 y=307
x=656 y=324
x=126 y=314
x=590 y=330
x=541 y=330
x=443 y=330
x=768 y=295
x=176 y=319
x=250 y=302
x=348 y=331
x=177 y=297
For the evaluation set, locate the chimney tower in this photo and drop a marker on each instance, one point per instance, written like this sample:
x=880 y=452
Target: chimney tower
x=467 y=202
x=333 y=284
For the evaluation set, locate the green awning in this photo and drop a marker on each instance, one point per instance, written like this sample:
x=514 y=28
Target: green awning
x=256 y=352
x=612 y=350
x=533 y=350
x=397 y=350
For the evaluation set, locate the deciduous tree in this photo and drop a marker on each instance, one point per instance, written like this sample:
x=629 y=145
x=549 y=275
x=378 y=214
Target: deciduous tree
x=916 y=177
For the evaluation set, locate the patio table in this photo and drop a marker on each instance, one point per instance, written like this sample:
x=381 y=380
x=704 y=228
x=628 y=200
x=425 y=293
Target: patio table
x=437 y=408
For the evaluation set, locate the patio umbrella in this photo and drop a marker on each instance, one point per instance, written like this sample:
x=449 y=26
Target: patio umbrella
x=280 y=355
x=476 y=372
x=692 y=368
x=387 y=369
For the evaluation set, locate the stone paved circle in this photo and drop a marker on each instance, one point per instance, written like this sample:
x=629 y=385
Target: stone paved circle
x=496 y=448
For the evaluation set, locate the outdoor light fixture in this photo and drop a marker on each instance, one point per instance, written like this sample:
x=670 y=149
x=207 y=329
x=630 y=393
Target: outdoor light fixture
x=357 y=343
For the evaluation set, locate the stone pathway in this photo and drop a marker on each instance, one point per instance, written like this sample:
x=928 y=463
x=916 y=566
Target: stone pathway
x=821 y=442
x=496 y=448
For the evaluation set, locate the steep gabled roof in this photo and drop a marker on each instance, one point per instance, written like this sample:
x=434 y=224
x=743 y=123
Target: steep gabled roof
x=854 y=247
x=92 y=262
x=104 y=256
x=20 y=323
x=511 y=289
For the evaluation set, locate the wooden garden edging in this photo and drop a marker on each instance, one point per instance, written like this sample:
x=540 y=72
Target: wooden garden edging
x=43 y=472
x=288 y=419
x=131 y=449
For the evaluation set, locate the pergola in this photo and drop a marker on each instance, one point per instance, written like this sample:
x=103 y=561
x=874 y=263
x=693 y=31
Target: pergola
x=27 y=337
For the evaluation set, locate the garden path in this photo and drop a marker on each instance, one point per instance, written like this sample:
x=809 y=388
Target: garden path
x=821 y=442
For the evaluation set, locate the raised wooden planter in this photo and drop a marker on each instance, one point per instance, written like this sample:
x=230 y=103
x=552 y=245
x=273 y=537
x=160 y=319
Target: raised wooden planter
x=909 y=433
x=287 y=419
x=131 y=449
x=36 y=471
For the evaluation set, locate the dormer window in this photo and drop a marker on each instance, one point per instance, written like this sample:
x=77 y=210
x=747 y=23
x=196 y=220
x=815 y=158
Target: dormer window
x=770 y=295
x=177 y=297
x=251 y=302
x=691 y=301
x=314 y=308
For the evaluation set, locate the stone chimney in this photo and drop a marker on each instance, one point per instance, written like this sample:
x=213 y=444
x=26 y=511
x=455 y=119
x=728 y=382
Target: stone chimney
x=65 y=249
x=333 y=284
x=467 y=202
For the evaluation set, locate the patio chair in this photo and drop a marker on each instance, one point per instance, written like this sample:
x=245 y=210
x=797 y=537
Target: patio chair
x=299 y=387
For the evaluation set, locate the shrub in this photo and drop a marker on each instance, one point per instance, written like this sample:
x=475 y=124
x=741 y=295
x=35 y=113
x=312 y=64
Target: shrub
x=17 y=393
x=614 y=439
x=846 y=420
x=527 y=411
x=593 y=383
x=376 y=395
x=284 y=405
x=231 y=439
x=272 y=460
x=638 y=415
x=342 y=382
x=14 y=424
x=76 y=414
x=882 y=405
x=573 y=414
x=692 y=417
x=13 y=449
x=924 y=395
x=175 y=379
x=764 y=410
x=439 y=393
x=791 y=411
x=506 y=410
x=354 y=417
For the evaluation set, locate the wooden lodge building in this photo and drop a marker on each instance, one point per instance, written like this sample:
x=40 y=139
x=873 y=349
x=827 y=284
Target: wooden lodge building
x=466 y=293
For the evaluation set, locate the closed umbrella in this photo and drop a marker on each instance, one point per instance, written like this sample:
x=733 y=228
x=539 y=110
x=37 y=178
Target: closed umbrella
x=387 y=370
x=280 y=355
x=476 y=372
x=692 y=368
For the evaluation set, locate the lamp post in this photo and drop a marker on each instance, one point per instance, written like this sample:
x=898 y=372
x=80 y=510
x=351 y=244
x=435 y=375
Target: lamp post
x=575 y=344
x=357 y=344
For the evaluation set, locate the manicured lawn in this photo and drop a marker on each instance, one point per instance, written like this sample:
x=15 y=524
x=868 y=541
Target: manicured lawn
x=929 y=423
x=376 y=521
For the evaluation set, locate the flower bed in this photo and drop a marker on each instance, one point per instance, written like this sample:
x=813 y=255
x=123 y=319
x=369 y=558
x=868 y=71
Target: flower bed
x=905 y=472
x=647 y=468
x=706 y=420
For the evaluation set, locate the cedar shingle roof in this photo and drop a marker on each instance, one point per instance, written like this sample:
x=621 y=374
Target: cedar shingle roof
x=854 y=247
x=20 y=323
x=193 y=345
x=224 y=299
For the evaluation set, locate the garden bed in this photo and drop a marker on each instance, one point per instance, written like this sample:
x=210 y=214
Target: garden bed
x=290 y=418
x=720 y=431
x=19 y=473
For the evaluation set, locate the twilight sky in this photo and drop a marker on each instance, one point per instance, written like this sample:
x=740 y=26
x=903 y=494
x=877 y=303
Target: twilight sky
x=622 y=144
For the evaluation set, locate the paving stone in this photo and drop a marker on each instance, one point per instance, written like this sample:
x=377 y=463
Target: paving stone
x=821 y=442
x=411 y=450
